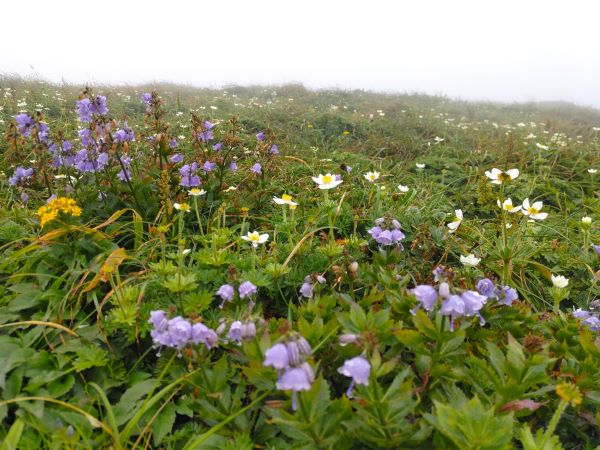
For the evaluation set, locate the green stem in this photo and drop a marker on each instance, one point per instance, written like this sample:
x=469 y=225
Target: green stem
x=554 y=422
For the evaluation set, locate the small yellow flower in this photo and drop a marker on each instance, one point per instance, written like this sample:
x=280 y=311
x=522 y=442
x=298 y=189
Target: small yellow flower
x=570 y=393
x=50 y=211
x=346 y=133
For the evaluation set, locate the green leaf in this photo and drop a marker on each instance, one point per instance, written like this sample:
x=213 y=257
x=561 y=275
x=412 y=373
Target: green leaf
x=163 y=423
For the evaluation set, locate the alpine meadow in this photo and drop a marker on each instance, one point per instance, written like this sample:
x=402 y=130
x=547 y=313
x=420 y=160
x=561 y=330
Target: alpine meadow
x=275 y=267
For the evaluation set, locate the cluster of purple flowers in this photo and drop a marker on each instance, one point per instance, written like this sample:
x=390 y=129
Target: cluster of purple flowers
x=90 y=160
x=239 y=331
x=306 y=290
x=64 y=154
x=207 y=133
x=597 y=248
x=21 y=174
x=387 y=232
x=124 y=134
x=245 y=290
x=178 y=332
x=25 y=124
x=86 y=108
x=588 y=319
x=189 y=175
x=289 y=359
x=466 y=304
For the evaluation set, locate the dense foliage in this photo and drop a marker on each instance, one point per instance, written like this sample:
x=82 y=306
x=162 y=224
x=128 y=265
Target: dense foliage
x=279 y=268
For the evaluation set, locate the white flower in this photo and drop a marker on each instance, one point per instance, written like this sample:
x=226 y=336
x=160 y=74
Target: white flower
x=457 y=220
x=285 y=200
x=182 y=207
x=231 y=188
x=592 y=171
x=499 y=177
x=186 y=251
x=195 y=192
x=533 y=210
x=470 y=260
x=508 y=206
x=586 y=220
x=327 y=181
x=403 y=189
x=420 y=166
x=559 y=281
x=254 y=238
x=371 y=176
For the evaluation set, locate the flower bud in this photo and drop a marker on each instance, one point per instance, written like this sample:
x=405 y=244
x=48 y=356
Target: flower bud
x=348 y=338
x=353 y=267
x=444 y=290
x=293 y=353
x=303 y=345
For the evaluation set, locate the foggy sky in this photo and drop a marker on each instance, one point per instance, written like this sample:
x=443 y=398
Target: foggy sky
x=479 y=50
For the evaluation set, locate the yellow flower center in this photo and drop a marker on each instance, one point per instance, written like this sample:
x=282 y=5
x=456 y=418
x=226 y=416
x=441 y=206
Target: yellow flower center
x=508 y=206
x=327 y=179
x=372 y=177
x=254 y=237
x=195 y=191
x=286 y=198
x=532 y=210
x=503 y=177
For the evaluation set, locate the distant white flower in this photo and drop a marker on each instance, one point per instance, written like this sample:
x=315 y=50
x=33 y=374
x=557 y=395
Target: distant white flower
x=182 y=207
x=586 y=220
x=592 y=171
x=533 y=211
x=540 y=146
x=559 y=281
x=508 y=206
x=457 y=220
x=403 y=189
x=420 y=166
x=470 y=260
x=186 y=251
x=327 y=181
x=371 y=176
x=499 y=177
x=195 y=192
x=285 y=200
x=254 y=238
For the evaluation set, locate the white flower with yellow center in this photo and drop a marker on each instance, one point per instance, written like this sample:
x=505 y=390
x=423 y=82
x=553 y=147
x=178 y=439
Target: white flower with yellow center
x=420 y=165
x=182 y=207
x=586 y=220
x=470 y=260
x=327 y=181
x=285 y=200
x=457 y=220
x=559 y=281
x=508 y=206
x=195 y=192
x=533 y=210
x=254 y=238
x=403 y=189
x=371 y=176
x=499 y=177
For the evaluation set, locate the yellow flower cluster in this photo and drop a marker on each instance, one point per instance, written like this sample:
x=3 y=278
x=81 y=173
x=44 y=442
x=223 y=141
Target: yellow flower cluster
x=49 y=212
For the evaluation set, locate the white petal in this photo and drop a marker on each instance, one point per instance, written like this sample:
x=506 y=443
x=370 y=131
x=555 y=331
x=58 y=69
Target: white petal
x=514 y=173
